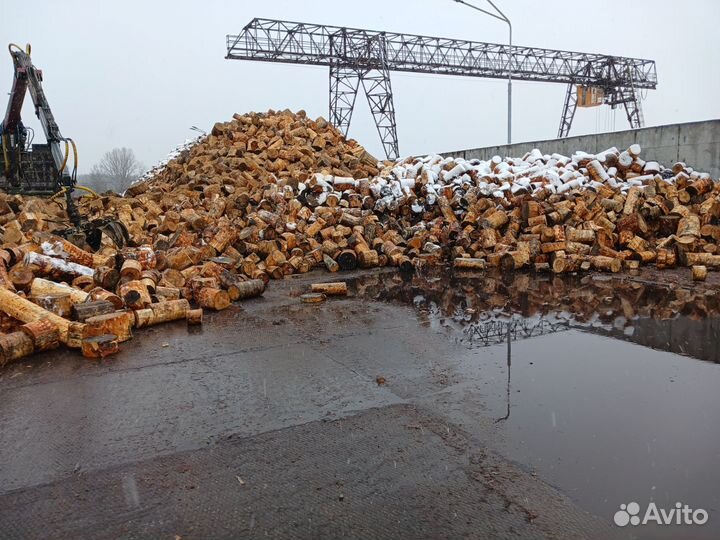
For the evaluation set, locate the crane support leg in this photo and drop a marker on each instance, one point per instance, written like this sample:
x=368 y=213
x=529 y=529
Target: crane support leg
x=344 y=83
x=633 y=109
x=380 y=98
x=369 y=66
x=568 y=112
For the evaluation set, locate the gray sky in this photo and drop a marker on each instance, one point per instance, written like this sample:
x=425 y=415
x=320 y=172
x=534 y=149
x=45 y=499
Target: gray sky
x=141 y=73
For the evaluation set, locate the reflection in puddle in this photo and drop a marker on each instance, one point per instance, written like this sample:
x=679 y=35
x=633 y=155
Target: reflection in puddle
x=480 y=310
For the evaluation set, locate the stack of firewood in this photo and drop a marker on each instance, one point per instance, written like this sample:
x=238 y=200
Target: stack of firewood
x=53 y=292
x=267 y=195
x=274 y=216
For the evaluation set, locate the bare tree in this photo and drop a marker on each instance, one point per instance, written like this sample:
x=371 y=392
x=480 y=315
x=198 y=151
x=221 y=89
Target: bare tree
x=118 y=168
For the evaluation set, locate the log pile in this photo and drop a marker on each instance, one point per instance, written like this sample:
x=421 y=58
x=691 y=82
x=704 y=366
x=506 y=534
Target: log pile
x=272 y=213
x=266 y=195
x=99 y=307
x=554 y=213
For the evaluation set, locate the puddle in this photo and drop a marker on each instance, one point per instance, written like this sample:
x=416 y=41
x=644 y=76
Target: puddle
x=609 y=389
x=478 y=311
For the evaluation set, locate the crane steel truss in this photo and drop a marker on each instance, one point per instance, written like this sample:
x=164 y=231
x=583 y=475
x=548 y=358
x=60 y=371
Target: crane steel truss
x=367 y=57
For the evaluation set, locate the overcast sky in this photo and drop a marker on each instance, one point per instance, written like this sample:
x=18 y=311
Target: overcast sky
x=140 y=73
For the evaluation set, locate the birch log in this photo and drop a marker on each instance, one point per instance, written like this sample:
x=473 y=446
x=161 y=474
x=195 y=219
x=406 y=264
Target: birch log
x=26 y=311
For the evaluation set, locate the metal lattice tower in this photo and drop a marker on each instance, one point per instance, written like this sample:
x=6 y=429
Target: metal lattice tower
x=367 y=57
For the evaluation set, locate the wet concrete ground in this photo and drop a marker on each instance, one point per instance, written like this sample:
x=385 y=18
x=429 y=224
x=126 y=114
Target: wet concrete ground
x=270 y=419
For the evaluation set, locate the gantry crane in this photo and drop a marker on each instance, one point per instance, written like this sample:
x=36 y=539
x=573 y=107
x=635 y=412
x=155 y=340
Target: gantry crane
x=357 y=56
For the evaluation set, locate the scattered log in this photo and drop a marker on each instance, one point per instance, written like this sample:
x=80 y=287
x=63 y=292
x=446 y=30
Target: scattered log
x=338 y=288
x=167 y=293
x=61 y=248
x=101 y=346
x=27 y=312
x=312 y=298
x=222 y=239
x=51 y=266
x=131 y=270
x=43 y=287
x=194 y=316
x=701 y=259
x=606 y=264
x=172 y=310
x=247 y=289
x=699 y=273
x=134 y=294
x=585 y=236
x=93 y=308
x=15 y=346
x=99 y=293
x=85 y=283
x=212 y=298
x=44 y=334
x=666 y=258
x=330 y=263
x=21 y=276
x=172 y=278
x=59 y=304
x=106 y=277
x=347 y=259
x=119 y=324
x=5 y=280
x=144 y=317
x=150 y=284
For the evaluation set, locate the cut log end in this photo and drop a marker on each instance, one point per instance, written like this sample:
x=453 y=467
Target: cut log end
x=43 y=333
x=119 y=324
x=15 y=346
x=212 y=298
x=99 y=347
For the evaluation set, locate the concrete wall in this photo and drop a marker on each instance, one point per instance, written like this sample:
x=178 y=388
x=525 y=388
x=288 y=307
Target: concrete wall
x=695 y=143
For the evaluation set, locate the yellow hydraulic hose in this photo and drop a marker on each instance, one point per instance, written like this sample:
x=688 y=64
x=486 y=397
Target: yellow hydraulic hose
x=81 y=188
x=75 y=154
x=67 y=155
x=88 y=190
x=61 y=192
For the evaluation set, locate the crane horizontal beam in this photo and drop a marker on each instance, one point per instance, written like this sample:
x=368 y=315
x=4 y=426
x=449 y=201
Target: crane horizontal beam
x=301 y=43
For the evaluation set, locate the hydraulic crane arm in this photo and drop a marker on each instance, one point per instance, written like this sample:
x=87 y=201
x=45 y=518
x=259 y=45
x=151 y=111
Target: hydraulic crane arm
x=28 y=77
x=17 y=98
x=42 y=169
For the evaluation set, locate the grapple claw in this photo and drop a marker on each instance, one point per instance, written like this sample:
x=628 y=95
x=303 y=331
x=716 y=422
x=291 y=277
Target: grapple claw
x=90 y=233
x=115 y=230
